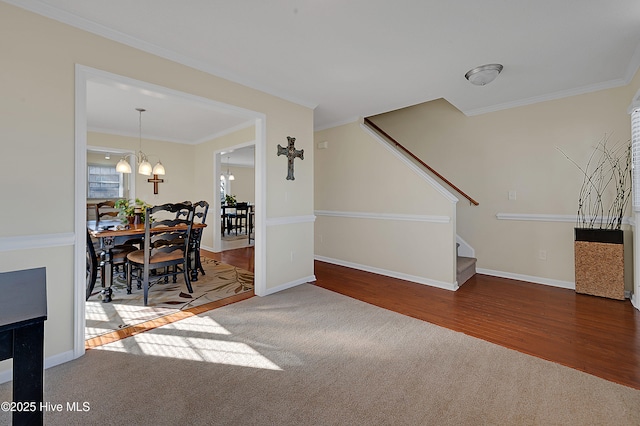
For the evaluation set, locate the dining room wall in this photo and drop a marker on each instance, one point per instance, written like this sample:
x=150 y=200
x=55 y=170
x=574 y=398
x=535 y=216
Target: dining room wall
x=37 y=126
x=243 y=186
x=177 y=159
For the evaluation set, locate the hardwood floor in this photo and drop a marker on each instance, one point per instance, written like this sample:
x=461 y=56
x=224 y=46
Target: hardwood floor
x=595 y=335
x=240 y=257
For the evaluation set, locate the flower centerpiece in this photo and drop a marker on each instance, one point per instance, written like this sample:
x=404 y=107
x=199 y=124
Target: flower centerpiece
x=128 y=209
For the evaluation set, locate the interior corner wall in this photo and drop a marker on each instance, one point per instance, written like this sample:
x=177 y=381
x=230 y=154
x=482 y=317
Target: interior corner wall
x=37 y=124
x=204 y=176
x=517 y=150
x=374 y=213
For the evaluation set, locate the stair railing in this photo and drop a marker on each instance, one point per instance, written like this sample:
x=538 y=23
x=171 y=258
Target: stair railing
x=412 y=155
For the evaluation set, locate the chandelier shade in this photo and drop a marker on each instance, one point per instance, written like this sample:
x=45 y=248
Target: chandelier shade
x=228 y=175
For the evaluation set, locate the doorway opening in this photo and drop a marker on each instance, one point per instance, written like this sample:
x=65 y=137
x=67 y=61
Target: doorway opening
x=235 y=183
x=91 y=83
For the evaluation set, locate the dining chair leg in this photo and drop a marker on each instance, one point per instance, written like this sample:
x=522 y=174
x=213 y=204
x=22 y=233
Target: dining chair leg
x=200 y=265
x=129 y=278
x=145 y=285
x=186 y=278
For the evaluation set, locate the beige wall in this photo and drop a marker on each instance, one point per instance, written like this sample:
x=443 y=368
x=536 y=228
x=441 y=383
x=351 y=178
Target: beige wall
x=516 y=150
x=37 y=82
x=243 y=187
x=373 y=212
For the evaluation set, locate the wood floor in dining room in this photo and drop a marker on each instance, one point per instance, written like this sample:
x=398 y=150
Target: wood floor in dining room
x=592 y=334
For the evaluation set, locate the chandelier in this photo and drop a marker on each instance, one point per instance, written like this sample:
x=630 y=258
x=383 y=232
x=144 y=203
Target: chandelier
x=144 y=167
x=230 y=175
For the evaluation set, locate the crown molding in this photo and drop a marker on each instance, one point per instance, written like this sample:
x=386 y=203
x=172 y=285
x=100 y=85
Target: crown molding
x=54 y=13
x=548 y=97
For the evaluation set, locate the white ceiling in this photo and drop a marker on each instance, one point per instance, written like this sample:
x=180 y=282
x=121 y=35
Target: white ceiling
x=349 y=59
x=111 y=108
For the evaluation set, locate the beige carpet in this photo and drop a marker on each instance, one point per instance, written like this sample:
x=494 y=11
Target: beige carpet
x=220 y=281
x=308 y=356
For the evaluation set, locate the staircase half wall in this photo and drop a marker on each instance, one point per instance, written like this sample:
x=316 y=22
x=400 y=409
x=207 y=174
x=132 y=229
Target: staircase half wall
x=376 y=211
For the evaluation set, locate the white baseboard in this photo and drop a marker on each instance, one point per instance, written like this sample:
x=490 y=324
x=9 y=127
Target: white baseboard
x=52 y=361
x=290 y=284
x=530 y=278
x=393 y=274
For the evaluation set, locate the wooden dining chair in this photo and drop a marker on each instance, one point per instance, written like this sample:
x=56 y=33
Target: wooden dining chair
x=165 y=251
x=200 y=210
x=240 y=219
x=106 y=210
x=92 y=266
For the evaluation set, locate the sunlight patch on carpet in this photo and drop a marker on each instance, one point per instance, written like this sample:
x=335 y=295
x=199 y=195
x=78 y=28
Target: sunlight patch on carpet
x=220 y=281
x=178 y=341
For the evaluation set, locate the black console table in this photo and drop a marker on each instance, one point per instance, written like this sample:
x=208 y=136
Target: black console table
x=23 y=310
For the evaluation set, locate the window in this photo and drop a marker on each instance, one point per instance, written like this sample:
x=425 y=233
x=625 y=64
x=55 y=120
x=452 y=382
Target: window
x=635 y=149
x=634 y=110
x=103 y=182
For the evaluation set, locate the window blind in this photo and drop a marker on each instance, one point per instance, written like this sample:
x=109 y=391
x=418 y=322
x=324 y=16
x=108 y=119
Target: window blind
x=635 y=150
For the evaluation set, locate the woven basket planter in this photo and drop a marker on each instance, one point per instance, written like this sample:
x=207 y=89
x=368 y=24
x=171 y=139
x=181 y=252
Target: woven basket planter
x=599 y=262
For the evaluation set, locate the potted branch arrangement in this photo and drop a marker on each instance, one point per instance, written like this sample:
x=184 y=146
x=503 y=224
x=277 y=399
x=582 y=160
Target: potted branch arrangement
x=599 y=238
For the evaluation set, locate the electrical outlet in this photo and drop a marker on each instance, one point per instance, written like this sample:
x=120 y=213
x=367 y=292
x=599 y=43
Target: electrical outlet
x=542 y=254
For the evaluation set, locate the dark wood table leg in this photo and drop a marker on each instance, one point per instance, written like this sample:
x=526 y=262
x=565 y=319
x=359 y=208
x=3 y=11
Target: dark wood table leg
x=106 y=265
x=28 y=374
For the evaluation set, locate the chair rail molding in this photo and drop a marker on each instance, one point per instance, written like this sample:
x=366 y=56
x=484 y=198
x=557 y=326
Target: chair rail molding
x=28 y=242
x=289 y=220
x=535 y=217
x=385 y=216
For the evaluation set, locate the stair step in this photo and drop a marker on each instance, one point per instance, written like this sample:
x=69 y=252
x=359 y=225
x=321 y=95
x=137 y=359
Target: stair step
x=465 y=269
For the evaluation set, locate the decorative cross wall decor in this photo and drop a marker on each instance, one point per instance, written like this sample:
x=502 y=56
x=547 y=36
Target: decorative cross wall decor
x=155 y=182
x=291 y=152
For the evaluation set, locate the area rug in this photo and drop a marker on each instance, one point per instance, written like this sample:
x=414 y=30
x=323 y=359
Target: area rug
x=220 y=281
x=234 y=237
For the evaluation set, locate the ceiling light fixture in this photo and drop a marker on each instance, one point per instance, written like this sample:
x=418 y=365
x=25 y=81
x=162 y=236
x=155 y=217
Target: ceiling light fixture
x=144 y=167
x=229 y=175
x=484 y=74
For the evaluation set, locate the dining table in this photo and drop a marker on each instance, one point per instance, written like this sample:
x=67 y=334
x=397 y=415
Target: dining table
x=227 y=215
x=111 y=233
